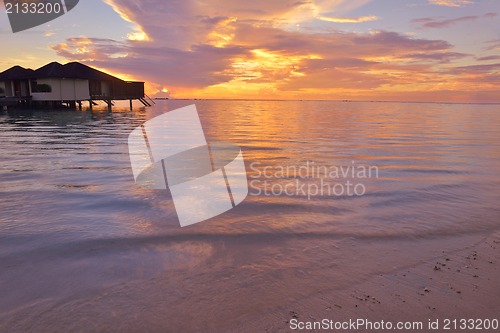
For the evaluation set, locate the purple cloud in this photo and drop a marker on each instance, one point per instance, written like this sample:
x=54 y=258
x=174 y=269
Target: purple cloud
x=437 y=23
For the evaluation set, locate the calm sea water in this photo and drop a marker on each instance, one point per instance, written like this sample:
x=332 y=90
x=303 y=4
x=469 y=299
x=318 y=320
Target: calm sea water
x=81 y=244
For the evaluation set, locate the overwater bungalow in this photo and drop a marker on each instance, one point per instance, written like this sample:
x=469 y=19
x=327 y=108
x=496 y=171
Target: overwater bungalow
x=55 y=84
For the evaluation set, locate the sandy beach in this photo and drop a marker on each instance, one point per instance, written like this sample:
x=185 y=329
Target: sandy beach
x=453 y=278
x=455 y=284
x=450 y=278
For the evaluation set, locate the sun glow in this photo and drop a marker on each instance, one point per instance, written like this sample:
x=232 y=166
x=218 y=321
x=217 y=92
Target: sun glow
x=269 y=66
x=138 y=35
x=255 y=77
x=223 y=33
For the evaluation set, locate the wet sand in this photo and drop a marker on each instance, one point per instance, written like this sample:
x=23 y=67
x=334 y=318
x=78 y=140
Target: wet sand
x=444 y=277
x=462 y=284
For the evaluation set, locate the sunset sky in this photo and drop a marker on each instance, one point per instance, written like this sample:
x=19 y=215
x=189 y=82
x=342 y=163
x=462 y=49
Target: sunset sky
x=408 y=50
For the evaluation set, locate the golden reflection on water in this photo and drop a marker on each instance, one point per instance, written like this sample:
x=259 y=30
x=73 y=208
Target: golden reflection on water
x=72 y=214
x=420 y=149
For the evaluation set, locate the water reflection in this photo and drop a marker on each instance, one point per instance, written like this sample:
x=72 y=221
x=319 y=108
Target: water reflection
x=72 y=213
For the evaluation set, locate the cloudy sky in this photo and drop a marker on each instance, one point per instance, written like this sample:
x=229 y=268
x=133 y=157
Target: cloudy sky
x=410 y=50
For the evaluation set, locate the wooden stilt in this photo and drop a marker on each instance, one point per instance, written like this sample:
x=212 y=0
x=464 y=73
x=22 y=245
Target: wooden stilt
x=90 y=104
x=131 y=107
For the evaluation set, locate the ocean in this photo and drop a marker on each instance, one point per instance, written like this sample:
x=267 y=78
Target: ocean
x=339 y=192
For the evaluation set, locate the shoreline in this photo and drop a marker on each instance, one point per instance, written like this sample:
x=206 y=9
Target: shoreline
x=412 y=280
x=461 y=284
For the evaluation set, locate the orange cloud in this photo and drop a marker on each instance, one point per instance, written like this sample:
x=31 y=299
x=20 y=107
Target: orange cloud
x=349 y=19
x=451 y=3
x=242 y=50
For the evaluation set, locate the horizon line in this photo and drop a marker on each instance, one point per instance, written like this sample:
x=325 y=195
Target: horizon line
x=322 y=100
